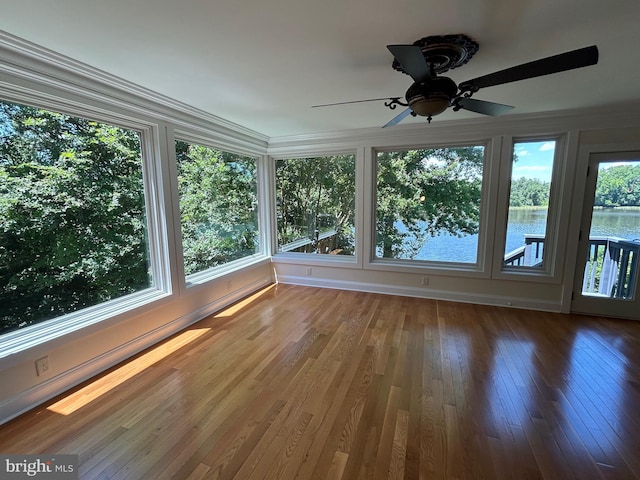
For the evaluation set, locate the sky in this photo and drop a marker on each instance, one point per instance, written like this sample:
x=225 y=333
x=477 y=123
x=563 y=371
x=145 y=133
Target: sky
x=535 y=160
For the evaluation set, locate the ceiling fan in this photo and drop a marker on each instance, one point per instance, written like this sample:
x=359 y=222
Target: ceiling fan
x=431 y=94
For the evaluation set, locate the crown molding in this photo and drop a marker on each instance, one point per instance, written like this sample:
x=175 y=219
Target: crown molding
x=540 y=123
x=27 y=62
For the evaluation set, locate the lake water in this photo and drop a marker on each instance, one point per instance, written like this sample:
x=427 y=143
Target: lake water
x=619 y=223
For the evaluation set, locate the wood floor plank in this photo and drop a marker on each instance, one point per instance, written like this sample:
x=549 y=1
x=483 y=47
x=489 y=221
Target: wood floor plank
x=308 y=383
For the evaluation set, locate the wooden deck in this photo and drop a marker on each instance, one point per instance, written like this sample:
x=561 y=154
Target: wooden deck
x=299 y=382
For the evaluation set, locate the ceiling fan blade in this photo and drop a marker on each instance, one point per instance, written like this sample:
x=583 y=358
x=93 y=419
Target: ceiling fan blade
x=353 y=101
x=582 y=57
x=412 y=61
x=398 y=118
x=484 y=107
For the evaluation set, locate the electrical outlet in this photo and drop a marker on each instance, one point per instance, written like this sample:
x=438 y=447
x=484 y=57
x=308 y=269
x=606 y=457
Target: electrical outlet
x=425 y=281
x=42 y=366
x=308 y=270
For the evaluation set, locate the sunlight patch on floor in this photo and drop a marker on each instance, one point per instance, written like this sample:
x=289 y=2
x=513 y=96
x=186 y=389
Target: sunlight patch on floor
x=106 y=383
x=236 y=307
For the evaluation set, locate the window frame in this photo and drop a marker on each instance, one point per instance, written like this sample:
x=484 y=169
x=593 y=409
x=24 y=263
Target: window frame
x=557 y=214
x=155 y=210
x=479 y=269
x=343 y=261
x=213 y=273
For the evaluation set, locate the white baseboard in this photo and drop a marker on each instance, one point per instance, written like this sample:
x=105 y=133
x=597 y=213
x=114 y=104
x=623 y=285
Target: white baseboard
x=464 y=297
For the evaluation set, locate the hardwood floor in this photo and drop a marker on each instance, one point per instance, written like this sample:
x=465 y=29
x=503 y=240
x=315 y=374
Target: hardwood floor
x=299 y=382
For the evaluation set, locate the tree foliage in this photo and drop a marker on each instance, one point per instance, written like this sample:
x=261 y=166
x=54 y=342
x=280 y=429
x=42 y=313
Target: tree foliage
x=218 y=206
x=618 y=186
x=316 y=194
x=72 y=215
x=529 y=192
x=422 y=193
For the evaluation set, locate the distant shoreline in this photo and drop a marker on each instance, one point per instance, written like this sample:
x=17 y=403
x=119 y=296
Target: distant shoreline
x=630 y=209
x=544 y=207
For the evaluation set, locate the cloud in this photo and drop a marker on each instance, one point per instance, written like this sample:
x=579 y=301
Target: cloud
x=547 y=146
x=521 y=152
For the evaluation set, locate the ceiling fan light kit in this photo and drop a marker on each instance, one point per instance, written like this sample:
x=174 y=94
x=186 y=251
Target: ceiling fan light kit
x=431 y=97
x=431 y=94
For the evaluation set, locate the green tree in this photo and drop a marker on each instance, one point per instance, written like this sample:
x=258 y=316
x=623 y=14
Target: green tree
x=421 y=193
x=316 y=194
x=618 y=186
x=529 y=192
x=72 y=215
x=218 y=206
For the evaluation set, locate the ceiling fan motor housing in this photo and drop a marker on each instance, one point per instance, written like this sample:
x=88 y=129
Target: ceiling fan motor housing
x=431 y=97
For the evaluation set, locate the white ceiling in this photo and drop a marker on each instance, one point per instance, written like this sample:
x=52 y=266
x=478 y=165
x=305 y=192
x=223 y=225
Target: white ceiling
x=262 y=64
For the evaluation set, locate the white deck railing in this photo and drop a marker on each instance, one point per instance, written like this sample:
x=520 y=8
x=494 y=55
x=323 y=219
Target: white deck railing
x=611 y=265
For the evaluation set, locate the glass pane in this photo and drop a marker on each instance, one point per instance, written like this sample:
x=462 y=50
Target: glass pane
x=72 y=215
x=316 y=204
x=614 y=238
x=529 y=203
x=428 y=204
x=218 y=206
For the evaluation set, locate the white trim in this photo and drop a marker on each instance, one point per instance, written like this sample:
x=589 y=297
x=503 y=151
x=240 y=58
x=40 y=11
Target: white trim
x=589 y=157
x=51 y=330
x=481 y=267
x=572 y=284
x=544 y=123
x=263 y=196
x=207 y=139
x=447 y=295
x=359 y=220
x=428 y=267
x=38 y=65
x=313 y=258
x=369 y=202
x=557 y=217
x=157 y=227
x=156 y=208
x=214 y=273
x=321 y=260
x=268 y=205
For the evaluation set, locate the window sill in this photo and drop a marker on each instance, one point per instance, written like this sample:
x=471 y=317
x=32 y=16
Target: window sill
x=49 y=330
x=428 y=267
x=222 y=270
x=343 y=261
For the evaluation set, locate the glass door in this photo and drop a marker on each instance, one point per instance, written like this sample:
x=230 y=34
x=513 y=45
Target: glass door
x=606 y=281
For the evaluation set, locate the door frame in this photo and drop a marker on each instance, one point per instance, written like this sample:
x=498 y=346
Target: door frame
x=590 y=304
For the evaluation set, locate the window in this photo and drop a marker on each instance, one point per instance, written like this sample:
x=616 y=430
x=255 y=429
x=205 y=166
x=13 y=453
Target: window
x=428 y=204
x=316 y=204
x=73 y=227
x=531 y=171
x=218 y=206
